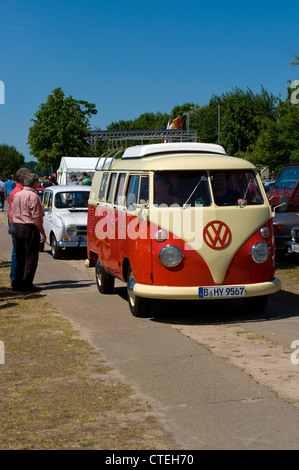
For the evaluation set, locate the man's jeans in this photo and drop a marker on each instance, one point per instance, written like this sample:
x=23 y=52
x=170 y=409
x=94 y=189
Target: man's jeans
x=13 y=264
x=2 y=198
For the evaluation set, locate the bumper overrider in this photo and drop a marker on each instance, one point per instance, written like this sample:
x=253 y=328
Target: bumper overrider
x=193 y=292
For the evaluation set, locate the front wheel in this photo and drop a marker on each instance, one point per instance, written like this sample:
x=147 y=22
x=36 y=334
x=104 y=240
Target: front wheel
x=105 y=282
x=139 y=306
x=255 y=304
x=55 y=249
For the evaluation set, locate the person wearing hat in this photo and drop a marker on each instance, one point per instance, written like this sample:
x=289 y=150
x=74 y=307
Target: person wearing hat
x=73 y=179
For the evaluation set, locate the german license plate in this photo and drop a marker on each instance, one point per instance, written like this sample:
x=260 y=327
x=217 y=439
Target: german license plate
x=221 y=291
x=294 y=247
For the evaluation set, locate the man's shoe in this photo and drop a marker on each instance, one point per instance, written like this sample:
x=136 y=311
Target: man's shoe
x=31 y=289
x=16 y=288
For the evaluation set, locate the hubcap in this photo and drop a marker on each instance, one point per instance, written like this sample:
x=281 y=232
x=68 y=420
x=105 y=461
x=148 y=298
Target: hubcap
x=131 y=284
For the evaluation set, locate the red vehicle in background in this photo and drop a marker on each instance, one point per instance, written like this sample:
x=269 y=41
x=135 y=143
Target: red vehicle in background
x=40 y=192
x=285 y=191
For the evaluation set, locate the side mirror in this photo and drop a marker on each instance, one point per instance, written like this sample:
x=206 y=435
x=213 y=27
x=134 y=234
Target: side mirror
x=283 y=203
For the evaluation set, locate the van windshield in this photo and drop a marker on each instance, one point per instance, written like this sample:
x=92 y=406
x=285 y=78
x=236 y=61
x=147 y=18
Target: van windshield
x=183 y=188
x=235 y=188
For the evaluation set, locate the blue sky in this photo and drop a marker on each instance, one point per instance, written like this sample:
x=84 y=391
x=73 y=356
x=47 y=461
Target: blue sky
x=131 y=57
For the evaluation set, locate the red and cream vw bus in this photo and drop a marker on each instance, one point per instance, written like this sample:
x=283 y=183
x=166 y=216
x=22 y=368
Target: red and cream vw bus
x=181 y=221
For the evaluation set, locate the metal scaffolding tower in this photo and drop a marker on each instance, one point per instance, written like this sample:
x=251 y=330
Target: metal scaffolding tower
x=115 y=138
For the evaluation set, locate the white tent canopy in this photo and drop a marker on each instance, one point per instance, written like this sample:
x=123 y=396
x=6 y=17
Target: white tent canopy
x=75 y=166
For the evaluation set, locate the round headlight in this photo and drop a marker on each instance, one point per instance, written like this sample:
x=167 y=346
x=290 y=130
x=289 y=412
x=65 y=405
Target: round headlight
x=265 y=232
x=170 y=256
x=260 y=252
x=72 y=231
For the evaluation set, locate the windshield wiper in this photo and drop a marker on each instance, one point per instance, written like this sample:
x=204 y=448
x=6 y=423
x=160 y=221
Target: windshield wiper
x=202 y=178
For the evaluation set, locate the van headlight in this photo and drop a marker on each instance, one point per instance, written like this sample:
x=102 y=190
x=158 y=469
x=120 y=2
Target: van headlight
x=170 y=256
x=260 y=252
x=72 y=231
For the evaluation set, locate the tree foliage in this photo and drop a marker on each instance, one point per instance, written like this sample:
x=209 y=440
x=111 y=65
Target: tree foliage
x=144 y=121
x=10 y=160
x=277 y=143
x=296 y=57
x=59 y=129
x=256 y=126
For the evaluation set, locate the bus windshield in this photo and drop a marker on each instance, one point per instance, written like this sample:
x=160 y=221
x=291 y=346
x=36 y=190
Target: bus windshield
x=235 y=188
x=191 y=188
x=181 y=188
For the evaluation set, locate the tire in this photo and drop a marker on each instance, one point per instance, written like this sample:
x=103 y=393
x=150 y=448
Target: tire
x=55 y=249
x=255 y=304
x=104 y=280
x=139 y=306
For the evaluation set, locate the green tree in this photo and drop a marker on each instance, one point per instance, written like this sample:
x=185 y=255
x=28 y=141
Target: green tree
x=59 y=129
x=277 y=144
x=144 y=121
x=296 y=61
x=242 y=113
x=10 y=160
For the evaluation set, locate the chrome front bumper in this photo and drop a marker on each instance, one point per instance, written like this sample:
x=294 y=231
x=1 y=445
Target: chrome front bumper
x=191 y=293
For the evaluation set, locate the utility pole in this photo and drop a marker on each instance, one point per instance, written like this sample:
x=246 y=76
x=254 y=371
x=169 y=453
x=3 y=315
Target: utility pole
x=219 y=124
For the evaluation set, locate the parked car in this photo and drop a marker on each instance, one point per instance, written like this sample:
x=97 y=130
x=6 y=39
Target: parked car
x=40 y=192
x=283 y=224
x=286 y=188
x=65 y=220
x=268 y=184
x=294 y=245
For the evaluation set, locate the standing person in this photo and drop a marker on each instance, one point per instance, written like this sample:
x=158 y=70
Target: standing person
x=85 y=179
x=46 y=182
x=27 y=217
x=2 y=196
x=9 y=186
x=73 y=179
x=20 y=175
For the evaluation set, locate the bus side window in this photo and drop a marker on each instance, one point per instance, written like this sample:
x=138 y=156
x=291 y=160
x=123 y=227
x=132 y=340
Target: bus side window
x=132 y=192
x=103 y=186
x=118 y=199
x=111 y=187
x=143 y=194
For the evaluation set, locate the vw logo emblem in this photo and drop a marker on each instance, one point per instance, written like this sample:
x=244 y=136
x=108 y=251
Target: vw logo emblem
x=217 y=235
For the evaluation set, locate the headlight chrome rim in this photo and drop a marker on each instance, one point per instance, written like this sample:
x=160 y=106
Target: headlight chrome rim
x=260 y=252
x=72 y=230
x=265 y=232
x=160 y=236
x=170 y=256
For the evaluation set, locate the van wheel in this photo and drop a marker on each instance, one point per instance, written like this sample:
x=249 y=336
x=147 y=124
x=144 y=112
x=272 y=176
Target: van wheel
x=139 y=306
x=55 y=249
x=255 y=304
x=105 y=282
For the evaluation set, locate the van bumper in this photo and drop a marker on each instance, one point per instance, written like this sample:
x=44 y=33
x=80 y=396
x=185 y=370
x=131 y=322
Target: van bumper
x=192 y=293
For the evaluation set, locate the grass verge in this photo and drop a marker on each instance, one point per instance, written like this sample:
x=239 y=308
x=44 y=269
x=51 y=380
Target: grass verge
x=55 y=390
